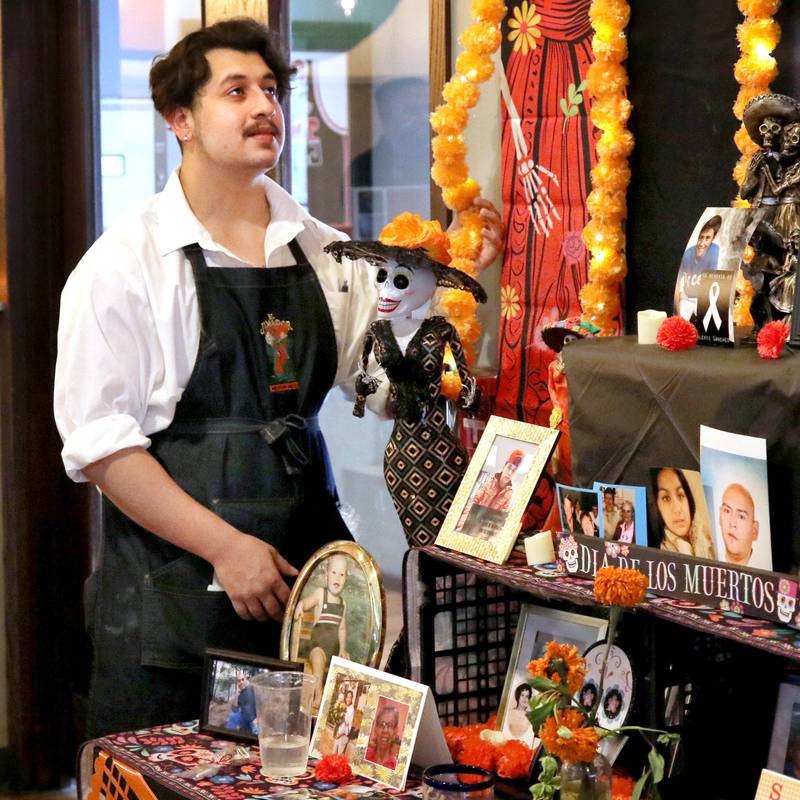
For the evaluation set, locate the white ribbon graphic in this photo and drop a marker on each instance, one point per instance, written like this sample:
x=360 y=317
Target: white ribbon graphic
x=712 y=313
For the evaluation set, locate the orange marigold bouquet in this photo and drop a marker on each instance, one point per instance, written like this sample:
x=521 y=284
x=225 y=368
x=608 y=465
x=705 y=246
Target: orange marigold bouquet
x=569 y=732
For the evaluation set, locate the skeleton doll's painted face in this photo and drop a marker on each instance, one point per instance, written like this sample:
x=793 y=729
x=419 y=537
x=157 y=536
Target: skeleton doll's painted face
x=403 y=289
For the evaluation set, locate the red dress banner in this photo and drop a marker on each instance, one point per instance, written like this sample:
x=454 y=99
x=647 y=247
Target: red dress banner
x=548 y=150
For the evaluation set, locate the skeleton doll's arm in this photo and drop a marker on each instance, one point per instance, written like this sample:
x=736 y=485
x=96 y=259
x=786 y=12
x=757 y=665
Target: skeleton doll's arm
x=468 y=396
x=366 y=384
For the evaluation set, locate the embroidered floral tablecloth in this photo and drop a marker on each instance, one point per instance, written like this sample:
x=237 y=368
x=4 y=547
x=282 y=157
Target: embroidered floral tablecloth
x=160 y=754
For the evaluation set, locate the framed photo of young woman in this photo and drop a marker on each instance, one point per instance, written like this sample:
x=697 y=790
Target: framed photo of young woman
x=537 y=626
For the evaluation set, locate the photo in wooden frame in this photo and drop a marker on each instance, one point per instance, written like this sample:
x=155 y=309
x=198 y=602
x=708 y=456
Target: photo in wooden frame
x=337 y=608
x=228 y=700
x=486 y=514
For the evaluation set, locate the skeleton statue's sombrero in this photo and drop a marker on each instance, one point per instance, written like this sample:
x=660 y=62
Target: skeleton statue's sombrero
x=427 y=247
x=785 y=109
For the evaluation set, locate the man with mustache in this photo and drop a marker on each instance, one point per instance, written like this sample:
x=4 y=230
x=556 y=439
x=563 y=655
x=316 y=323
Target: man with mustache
x=198 y=339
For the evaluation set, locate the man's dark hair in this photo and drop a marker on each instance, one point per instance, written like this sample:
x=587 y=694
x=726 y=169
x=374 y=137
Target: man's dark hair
x=175 y=78
x=714 y=224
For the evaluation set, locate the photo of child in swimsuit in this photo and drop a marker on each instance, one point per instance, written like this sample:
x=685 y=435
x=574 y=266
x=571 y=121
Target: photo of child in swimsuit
x=329 y=634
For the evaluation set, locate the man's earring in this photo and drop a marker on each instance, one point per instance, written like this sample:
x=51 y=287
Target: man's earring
x=186 y=137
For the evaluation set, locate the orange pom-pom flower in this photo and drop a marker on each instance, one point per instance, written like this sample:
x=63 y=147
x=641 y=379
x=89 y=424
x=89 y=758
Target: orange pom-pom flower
x=614 y=586
x=411 y=231
x=334 y=769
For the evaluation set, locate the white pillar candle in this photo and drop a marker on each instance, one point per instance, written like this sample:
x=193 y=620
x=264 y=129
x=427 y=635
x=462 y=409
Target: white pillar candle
x=649 y=322
x=539 y=548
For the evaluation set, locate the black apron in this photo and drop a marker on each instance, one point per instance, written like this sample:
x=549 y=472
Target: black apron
x=245 y=443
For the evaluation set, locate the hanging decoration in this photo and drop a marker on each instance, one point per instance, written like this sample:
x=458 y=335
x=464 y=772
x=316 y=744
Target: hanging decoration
x=450 y=171
x=604 y=235
x=756 y=68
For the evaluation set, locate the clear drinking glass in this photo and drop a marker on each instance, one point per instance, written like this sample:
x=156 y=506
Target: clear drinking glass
x=455 y=782
x=283 y=710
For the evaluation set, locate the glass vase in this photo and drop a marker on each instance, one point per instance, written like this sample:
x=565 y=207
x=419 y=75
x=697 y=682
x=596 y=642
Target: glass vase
x=585 y=780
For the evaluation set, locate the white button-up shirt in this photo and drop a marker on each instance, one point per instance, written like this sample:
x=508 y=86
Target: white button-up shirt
x=129 y=328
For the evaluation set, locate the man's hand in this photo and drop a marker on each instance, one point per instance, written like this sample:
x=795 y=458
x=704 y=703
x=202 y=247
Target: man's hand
x=492 y=233
x=251 y=573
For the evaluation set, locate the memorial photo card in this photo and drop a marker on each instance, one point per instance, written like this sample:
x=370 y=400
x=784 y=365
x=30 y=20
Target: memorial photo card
x=623 y=512
x=734 y=472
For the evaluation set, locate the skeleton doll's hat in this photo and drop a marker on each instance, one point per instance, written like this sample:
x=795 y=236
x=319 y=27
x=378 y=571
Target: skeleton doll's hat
x=415 y=242
x=786 y=109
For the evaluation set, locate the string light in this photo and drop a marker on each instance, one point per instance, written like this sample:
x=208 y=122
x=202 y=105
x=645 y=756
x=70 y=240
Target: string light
x=604 y=234
x=451 y=173
x=756 y=68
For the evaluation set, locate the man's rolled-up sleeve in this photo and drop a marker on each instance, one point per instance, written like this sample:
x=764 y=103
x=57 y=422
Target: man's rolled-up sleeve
x=108 y=358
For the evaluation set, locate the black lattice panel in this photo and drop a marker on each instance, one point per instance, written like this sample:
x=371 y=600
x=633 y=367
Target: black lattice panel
x=468 y=631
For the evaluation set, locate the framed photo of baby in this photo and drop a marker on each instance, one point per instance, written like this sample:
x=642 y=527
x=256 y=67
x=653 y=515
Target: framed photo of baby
x=336 y=608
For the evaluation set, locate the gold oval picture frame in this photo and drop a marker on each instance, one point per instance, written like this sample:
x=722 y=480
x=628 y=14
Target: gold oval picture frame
x=311 y=631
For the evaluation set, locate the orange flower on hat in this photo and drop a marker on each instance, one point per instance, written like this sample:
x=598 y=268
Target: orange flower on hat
x=614 y=586
x=411 y=231
x=568 y=738
x=562 y=664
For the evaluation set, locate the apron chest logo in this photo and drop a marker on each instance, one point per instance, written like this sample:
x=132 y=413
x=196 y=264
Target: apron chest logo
x=276 y=333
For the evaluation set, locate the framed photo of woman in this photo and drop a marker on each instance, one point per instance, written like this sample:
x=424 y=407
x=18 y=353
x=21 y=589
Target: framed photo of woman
x=537 y=626
x=337 y=608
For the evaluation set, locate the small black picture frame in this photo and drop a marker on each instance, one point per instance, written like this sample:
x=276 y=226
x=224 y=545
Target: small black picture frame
x=226 y=674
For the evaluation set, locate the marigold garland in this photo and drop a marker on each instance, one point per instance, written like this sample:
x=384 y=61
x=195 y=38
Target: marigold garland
x=450 y=171
x=568 y=738
x=614 y=586
x=756 y=68
x=604 y=235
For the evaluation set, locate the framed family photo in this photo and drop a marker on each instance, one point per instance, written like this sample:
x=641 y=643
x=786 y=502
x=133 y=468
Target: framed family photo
x=229 y=702
x=487 y=511
x=337 y=608
x=537 y=626
x=379 y=722
x=579 y=510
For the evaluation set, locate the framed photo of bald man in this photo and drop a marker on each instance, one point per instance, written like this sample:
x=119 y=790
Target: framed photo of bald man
x=734 y=472
x=486 y=513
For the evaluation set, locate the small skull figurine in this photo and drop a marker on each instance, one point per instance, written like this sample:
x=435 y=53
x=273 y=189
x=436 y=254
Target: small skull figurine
x=568 y=553
x=769 y=129
x=787 y=599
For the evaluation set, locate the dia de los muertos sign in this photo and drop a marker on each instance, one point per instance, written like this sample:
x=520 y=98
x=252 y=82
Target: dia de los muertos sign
x=753 y=592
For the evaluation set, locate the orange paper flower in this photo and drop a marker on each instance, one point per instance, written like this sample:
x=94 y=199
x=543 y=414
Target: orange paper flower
x=461 y=93
x=614 y=586
x=410 y=230
x=449 y=120
x=334 y=769
x=561 y=663
x=488 y=11
x=461 y=197
x=580 y=745
x=513 y=760
x=481 y=37
x=475 y=67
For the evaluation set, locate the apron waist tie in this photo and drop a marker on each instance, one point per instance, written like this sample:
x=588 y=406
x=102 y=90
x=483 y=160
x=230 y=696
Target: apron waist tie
x=276 y=432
